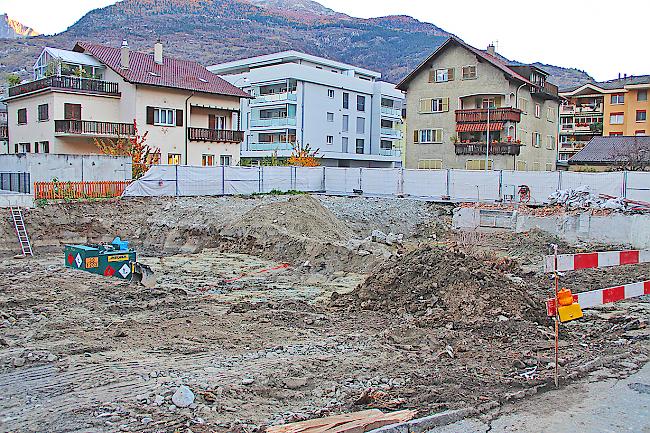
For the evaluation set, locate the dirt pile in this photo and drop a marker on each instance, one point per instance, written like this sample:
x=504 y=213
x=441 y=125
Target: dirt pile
x=444 y=282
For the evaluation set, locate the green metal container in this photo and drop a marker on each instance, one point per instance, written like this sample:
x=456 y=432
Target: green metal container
x=112 y=260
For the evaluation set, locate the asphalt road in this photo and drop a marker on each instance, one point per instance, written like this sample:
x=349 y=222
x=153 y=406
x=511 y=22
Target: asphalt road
x=596 y=405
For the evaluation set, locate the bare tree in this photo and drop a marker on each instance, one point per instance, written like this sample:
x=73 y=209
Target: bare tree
x=632 y=154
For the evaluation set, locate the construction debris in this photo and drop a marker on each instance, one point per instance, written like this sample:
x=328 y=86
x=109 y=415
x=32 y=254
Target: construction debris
x=356 y=422
x=582 y=198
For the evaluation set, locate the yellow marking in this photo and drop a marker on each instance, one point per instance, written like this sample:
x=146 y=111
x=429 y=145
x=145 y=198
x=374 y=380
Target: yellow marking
x=92 y=262
x=118 y=258
x=569 y=312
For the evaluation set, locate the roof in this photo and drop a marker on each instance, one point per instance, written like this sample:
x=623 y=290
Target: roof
x=173 y=73
x=72 y=56
x=618 y=83
x=238 y=66
x=603 y=150
x=493 y=60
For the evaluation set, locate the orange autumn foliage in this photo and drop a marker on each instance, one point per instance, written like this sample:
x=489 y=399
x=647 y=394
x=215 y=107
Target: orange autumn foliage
x=303 y=156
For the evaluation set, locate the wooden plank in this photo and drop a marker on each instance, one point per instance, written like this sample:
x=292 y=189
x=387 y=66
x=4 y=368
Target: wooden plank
x=301 y=426
x=355 y=422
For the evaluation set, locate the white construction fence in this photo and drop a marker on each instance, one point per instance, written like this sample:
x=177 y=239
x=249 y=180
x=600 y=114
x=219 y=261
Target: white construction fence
x=454 y=185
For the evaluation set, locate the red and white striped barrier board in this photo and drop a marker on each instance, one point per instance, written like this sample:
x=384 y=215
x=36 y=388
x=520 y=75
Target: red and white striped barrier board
x=603 y=259
x=604 y=296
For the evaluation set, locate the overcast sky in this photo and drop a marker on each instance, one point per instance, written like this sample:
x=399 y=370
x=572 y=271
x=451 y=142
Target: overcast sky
x=601 y=37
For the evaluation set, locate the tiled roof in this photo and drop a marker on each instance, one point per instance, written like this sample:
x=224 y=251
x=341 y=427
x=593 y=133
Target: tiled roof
x=174 y=73
x=495 y=61
x=605 y=149
x=618 y=83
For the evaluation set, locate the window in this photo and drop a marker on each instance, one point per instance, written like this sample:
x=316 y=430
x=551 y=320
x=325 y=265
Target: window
x=537 y=139
x=488 y=103
x=344 y=144
x=550 y=142
x=45 y=146
x=536 y=166
x=442 y=75
x=549 y=166
x=361 y=103
x=207 y=160
x=225 y=160
x=430 y=164
x=523 y=105
x=639 y=132
x=477 y=164
x=424 y=136
x=615 y=134
x=538 y=111
x=330 y=117
x=360 y=145
x=346 y=123
x=173 y=158
x=43 y=113
x=216 y=122
x=330 y=139
x=346 y=100
x=164 y=117
x=22 y=116
x=36 y=146
x=641 y=115
x=23 y=148
x=361 y=125
x=616 y=119
x=469 y=72
x=642 y=95
x=72 y=111
x=550 y=114
x=330 y=93
x=521 y=166
x=618 y=98
x=434 y=105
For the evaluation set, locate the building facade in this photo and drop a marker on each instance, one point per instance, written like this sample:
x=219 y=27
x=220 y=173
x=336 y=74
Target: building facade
x=188 y=114
x=343 y=111
x=581 y=119
x=461 y=95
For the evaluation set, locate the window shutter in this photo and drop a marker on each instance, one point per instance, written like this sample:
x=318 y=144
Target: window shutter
x=445 y=104
x=423 y=105
x=416 y=136
x=438 y=135
x=432 y=75
x=450 y=74
x=149 y=115
x=212 y=122
x=179 y=117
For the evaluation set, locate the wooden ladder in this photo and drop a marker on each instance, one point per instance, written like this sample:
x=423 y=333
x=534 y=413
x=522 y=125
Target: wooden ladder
x=21 y=231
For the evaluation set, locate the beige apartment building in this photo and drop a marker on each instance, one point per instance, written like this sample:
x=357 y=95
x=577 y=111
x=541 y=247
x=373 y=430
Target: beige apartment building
x=459 y=93
x=189 y=114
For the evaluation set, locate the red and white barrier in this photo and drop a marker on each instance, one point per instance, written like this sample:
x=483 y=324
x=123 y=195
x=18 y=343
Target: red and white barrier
x=604 y=296
x=603 y=259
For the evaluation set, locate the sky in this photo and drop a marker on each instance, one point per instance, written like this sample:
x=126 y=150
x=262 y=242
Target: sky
x=604 y=38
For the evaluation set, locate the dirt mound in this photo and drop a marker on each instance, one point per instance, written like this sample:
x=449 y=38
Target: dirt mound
x=445 y=283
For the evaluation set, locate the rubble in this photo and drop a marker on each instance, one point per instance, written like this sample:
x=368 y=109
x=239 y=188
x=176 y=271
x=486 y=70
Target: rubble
x=183 y=397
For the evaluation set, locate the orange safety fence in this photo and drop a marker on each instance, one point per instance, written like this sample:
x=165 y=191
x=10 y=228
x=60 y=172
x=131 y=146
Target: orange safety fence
x=79 y=190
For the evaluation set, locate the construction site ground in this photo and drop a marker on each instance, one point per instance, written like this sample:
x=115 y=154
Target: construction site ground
x=275 y=309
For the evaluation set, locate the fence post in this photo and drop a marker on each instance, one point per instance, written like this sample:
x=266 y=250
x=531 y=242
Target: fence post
x=559 y=180
x=360 y=177
x=260 y=178
x=176 y=180
x=501 y=185
x=223 y=180
x=625 y=184
x=448 y=182
x=324 y=189
x=400 y=184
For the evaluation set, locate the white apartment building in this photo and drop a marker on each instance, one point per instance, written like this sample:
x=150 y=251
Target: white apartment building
x=344 y=111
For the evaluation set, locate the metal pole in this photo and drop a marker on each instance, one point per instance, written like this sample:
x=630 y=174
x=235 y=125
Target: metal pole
x=487 y=144
x=557 y=318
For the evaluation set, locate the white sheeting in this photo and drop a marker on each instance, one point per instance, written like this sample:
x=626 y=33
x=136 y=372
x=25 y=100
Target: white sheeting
x=425 y=183
x=473 y=185
x=541 y=183
x=638 y=186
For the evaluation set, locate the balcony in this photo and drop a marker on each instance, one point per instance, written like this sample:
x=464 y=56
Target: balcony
x=390 y=132
x=92 y=128
x=567 y=127
x=501 y=148
x=216 y=135
x=391 y=111
x=278 y=145
x=567 y=109
x=4 y=132
x=66 y=83
x=390 y=152
x=545 y=91
x=273 y=122
x=479 y=115
x=275 y=97
x=589 y=109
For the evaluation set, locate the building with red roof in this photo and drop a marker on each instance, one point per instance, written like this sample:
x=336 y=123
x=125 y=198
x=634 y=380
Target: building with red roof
x=190 y=115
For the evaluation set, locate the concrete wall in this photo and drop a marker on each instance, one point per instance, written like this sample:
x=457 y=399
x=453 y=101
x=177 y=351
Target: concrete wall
x=11 y=199
x=490 y=81
x=74 y=168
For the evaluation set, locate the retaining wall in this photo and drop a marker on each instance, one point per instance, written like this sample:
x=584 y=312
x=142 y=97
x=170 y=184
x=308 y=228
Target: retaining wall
x=44 y=167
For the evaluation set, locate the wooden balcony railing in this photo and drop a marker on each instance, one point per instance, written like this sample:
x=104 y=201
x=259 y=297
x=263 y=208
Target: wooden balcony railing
x=4 y=132
x=223 y=135
x=500 y=148
x=91 y=127
x=479 y=115
x=547 y=90
x=68 y=83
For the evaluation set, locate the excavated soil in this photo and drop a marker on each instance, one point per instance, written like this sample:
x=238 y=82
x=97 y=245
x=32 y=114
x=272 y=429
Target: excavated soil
x=276 y=309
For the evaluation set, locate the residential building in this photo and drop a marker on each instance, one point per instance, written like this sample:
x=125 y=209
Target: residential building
x=581 y=119
x=613 y=152
x=4 y=130
x=188 y=114
x=343 y=111
x=459 y=95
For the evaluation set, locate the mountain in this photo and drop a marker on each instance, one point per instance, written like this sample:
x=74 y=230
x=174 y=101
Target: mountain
x=214 y=31
x=565 y=77
x=11 y=29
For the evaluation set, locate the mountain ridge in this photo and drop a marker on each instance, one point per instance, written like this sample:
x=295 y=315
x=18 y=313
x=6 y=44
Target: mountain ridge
x=12 y=29
x=215 y=31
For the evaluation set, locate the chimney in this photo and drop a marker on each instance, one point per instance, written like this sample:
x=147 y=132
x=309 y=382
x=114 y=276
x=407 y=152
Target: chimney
x=625 y=76
x=124 y=55
x=158 y=52
x=491 y=50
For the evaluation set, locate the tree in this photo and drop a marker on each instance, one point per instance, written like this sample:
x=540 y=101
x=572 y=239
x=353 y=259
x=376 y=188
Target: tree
x=303 y=156
x=632 y=154
x=143 y=156
x=13 y=79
